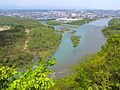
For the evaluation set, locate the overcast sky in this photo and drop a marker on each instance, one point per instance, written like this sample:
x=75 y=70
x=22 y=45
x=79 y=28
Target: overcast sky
x=82 y=4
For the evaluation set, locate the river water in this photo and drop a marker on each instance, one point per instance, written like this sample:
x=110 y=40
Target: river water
x=90 y=42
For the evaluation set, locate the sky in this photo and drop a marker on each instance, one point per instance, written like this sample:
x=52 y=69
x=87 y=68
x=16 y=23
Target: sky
x=60 y=4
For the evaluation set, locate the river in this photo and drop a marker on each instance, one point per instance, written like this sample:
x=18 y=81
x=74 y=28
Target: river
x=90 y=42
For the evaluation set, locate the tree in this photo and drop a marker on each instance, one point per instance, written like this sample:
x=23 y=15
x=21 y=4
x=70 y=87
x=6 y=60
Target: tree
x=31 y=79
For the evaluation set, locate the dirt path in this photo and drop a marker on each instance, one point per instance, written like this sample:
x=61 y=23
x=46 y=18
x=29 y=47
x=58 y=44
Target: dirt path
x=27 y=41
x=3 y=28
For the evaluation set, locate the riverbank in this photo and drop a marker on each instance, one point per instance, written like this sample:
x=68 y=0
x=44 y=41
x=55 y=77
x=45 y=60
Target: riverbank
x=90 y=42
x=97 y=71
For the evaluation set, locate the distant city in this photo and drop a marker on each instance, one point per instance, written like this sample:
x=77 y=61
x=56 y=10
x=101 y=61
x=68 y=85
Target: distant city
x=61 y=15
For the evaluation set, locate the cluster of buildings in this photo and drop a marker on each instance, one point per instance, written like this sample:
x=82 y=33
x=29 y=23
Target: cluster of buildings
x=61 y=15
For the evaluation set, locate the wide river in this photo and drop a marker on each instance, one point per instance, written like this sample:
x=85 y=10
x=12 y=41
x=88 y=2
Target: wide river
x=90 y=42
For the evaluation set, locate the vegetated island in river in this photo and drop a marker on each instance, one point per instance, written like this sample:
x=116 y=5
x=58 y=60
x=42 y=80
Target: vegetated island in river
x=75 y=40
x=76 y=22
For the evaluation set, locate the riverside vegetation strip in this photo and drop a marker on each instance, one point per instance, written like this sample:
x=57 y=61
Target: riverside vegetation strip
x=82 y=21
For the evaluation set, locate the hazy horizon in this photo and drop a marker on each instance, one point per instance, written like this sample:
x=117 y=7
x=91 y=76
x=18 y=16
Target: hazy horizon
x=61 y=4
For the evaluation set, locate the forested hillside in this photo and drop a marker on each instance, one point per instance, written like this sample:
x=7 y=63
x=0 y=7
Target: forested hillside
x=26 y=41
x=100 y=71
x=14 y=21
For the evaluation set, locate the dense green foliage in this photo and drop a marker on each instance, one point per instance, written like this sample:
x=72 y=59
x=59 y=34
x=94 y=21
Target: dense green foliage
x=29 y=79
x=11 y=47
x=81 y=22
x=114 y=24
x=75 y=40
x=114 y=27
x=44 y=40
x=21 y=45
x=100 y=71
